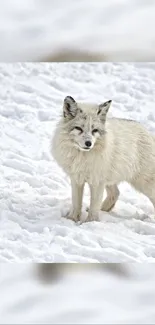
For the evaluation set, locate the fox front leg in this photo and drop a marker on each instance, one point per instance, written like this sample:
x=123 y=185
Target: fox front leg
x=77 y=195
x=96 y=196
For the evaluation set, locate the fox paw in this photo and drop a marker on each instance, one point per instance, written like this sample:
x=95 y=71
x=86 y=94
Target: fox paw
x=72 y=215
x=92 y=217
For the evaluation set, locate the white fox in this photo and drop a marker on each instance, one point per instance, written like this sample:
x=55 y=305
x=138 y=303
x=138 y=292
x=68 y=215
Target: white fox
x=102 y=152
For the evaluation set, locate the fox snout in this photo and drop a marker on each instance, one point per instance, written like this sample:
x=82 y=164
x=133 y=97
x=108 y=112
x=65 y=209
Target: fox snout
x=88 y=144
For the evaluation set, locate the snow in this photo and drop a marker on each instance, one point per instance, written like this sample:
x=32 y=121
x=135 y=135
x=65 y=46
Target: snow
x=35 y=194
x=118 y=29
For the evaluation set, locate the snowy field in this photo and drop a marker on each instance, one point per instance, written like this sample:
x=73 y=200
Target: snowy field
x=118 y=29
x=79 y=297
x=35 y=193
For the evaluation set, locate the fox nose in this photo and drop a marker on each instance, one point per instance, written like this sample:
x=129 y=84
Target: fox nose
x=88 y=144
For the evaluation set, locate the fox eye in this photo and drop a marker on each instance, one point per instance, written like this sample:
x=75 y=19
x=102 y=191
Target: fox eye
x=95 y=130
x=78 y=128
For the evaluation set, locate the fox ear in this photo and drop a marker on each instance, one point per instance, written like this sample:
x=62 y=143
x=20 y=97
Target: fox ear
x=69 y=107
x=103 y=109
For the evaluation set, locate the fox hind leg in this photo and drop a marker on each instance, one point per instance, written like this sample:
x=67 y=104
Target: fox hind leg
x=111 y=199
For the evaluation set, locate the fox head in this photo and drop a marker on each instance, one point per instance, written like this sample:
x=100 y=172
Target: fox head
x=84 y=123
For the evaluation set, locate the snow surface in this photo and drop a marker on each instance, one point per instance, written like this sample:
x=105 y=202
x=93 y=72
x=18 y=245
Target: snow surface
x=120 y=29
x=35 y=193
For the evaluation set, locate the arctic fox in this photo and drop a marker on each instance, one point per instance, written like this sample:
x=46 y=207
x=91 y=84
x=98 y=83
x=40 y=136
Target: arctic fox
x=102 y=152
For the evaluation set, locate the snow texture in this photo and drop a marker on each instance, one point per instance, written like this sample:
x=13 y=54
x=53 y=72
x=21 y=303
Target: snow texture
x=35 y=193
x=120 y=29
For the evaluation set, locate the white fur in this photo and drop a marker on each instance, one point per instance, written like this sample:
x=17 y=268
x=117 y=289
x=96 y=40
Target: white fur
x=125 y=152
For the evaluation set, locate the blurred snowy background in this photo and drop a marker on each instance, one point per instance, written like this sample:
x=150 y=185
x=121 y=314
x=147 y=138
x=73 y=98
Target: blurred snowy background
x=77 y=295
x=82 y=30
